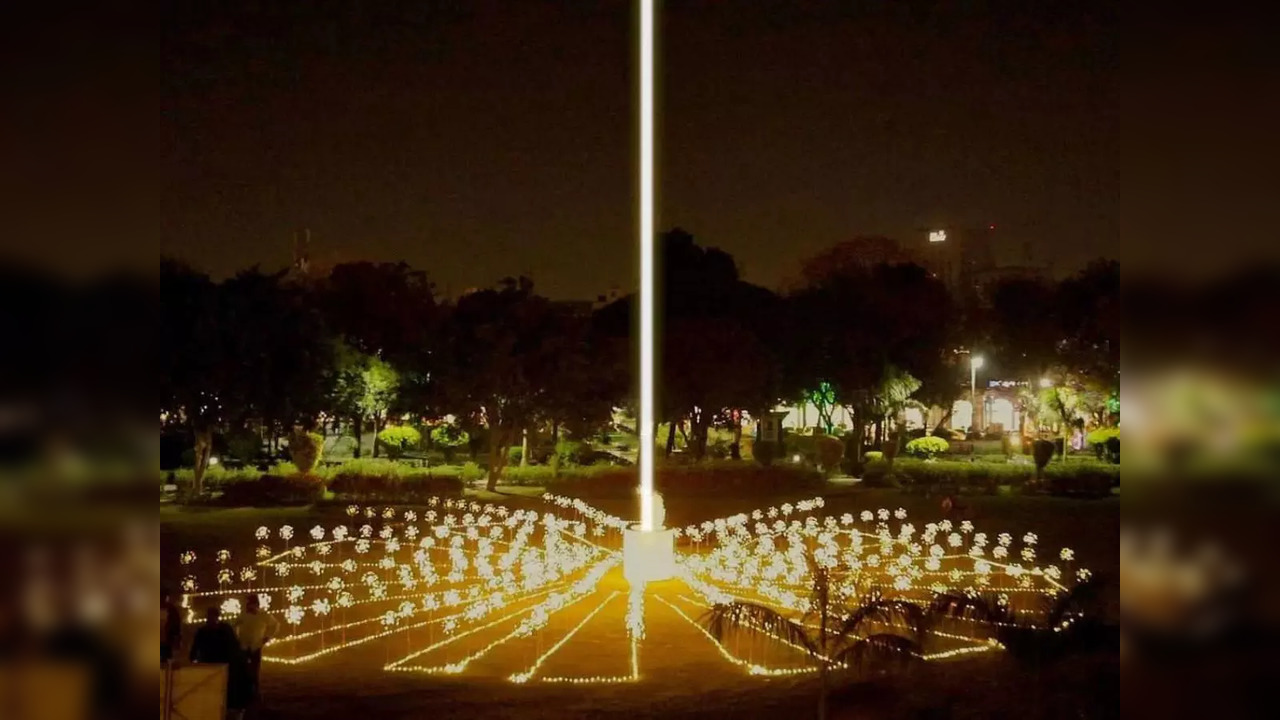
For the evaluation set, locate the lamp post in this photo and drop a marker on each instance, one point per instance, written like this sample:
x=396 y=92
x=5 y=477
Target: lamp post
x=975 y=362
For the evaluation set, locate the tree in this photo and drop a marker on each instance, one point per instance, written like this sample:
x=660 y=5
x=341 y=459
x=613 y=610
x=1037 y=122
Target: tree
x=365 y=387
x=502 y=345
x=1024 y=328
x=831 y=631
x=379 y=384
x=717 y=357
x=709 y=365
x=851 y=257
x=862 y=333
x=250 y=349
x=192 y=367
x=388 y=311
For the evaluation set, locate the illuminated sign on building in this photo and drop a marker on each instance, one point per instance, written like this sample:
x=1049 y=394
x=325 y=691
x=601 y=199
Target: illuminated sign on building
x=937 y=236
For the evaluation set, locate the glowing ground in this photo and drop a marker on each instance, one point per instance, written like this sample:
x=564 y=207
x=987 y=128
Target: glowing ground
x=481 y=590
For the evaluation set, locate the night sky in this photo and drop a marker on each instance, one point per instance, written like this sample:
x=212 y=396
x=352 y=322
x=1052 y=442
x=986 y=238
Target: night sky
x=477 y=139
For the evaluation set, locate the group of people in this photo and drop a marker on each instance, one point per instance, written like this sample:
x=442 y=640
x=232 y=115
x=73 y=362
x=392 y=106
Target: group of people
x=237 y=645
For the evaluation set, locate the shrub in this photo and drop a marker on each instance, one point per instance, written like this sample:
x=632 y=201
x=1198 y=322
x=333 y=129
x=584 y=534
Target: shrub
x=305 y=449
x=273 y=490
x=448 y=437
x=873 y=455
x=1099 y=436
x=764 y=452
x=1113 y=450
x=514 y=454
x=399 y=438
x=1086 y=479
x=806 y=446
x=1042 y=452
x=471 y=472
x=875 y=473
x=707 y=479
x=244 y=445
x=390 y=487
x=574 y=452
x=927 y=447
x=1105 y=442
x=829 y=450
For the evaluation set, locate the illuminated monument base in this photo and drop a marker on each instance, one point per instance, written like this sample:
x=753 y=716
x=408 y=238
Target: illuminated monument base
x=648 y=556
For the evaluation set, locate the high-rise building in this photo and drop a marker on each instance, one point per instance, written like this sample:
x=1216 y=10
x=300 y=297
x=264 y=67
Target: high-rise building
x=960 y=258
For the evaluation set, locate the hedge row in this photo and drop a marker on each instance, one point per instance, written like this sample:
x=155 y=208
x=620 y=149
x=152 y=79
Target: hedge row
x=1077 y=477
x=272 y=489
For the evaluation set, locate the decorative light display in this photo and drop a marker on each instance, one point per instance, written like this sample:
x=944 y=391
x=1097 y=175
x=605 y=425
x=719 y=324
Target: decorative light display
x=459 y=587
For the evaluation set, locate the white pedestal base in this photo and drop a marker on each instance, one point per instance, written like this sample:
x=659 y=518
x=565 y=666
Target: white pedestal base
x=648 y=556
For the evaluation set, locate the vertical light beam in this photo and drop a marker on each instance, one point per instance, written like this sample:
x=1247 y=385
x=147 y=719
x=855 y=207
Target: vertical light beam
x=645 y=429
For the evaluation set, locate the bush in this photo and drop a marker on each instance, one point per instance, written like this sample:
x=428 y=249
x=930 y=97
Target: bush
x=305 y=449
x=514 y=454
x=1101 y=440
x=1042 y=452
x=399 y=438
x=875 y=473
x=1083 y=479
x=1099 y=436
x=764 y=452
x=1113 y=450
x=927 y=447
x=574 y=452
x=448 y=437
x=706 y=479
x=806 y=446
x=829 y=451
x=411 y=485
x=273 y=490
x=471 y=472
x=244 y=445
x=873 y=455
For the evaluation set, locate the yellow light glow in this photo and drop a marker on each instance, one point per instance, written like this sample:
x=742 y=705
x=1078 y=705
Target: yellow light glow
x=466 y=593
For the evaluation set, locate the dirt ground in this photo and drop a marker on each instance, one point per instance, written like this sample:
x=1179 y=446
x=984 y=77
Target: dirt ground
x=683 y=674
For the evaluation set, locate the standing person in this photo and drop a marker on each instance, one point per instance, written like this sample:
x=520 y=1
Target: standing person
x=170 y=627
x=254 y=629
x=216 y=643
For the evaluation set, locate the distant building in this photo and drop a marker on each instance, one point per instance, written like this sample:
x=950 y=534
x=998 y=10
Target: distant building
x=965 y=260
x=959 y=257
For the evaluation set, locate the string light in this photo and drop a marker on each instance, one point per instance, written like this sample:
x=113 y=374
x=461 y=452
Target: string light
x=460 y=569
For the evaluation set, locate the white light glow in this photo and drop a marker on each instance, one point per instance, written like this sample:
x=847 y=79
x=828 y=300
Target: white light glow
x=645 y=429
x=937 y=236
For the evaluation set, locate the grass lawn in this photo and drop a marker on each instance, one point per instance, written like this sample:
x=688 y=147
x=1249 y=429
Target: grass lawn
x=683 y=676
